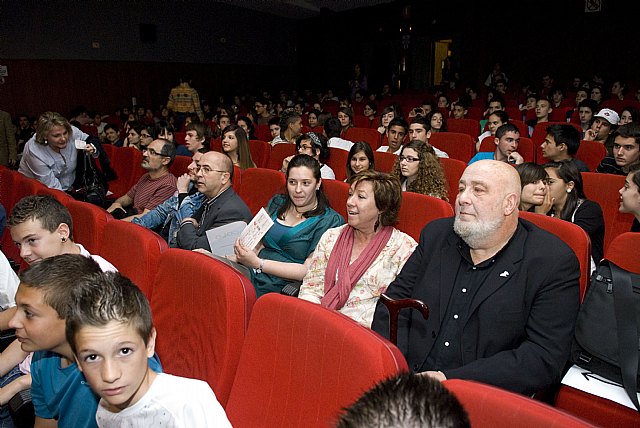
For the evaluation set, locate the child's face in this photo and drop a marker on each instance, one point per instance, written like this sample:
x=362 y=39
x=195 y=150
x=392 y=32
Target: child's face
x=113 y=359
x=37 y=243
x=38 y=326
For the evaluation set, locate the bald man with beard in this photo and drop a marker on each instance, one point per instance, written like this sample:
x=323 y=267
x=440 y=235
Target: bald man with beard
x=503 y=294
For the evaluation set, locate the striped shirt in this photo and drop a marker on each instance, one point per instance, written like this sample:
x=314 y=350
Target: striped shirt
x=148 y=193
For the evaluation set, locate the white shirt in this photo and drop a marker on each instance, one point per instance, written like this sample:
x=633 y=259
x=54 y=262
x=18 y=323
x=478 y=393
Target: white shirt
x=8 y=284
x=340 y=143
x=327 y=173
x=105 y=266
x=171 y=401
x=386 y=149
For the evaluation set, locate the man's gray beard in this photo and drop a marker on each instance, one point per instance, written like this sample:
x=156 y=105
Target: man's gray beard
x=476 y=234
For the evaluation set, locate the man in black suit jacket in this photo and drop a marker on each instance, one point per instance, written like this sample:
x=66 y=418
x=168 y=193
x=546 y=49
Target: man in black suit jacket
x=222 y=204
x=503 y=294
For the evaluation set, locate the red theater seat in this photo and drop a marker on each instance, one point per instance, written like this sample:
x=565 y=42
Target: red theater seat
x=278 y=153
x=337 y=192
x=384 y=161
x=470 y=127
x=260 y=152
x=180 y=165
x=458 y=146
x=338 y=162
x=574 y=236
x=369 y=135
x=89 y=222
x=491 y=407
x=134 y=251
x=201 y=310
x=301 y=364
x=603 y=188
x=453 y=169
x=417 y=210
x=259 y=185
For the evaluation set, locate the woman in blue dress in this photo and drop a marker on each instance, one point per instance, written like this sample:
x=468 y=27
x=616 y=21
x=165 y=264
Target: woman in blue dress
x=300 y=215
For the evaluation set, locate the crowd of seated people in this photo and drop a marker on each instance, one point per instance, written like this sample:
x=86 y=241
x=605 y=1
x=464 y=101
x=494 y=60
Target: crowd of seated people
x=346 y=267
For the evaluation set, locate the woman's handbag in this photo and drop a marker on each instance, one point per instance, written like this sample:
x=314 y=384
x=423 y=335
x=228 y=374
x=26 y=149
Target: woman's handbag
x=92 y=188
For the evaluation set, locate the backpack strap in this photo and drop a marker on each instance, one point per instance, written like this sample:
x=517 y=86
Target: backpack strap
x=624 y=303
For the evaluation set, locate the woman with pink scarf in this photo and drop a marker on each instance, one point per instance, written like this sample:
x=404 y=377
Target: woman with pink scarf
x=353 y=264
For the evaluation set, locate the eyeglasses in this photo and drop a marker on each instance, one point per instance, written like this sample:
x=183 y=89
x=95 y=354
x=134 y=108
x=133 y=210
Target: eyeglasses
x=409 y=159
x=151 y=151
x=206 y=170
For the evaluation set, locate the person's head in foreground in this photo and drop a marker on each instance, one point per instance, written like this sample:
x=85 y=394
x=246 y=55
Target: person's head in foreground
x=487 y=204
x=111 y=333
x=406 y=401
x=43 y=299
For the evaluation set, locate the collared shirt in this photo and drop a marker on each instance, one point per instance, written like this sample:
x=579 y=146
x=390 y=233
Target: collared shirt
x=201 y=214
x=447 y=350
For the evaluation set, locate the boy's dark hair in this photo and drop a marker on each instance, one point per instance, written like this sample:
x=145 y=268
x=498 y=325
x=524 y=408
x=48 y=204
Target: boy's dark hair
x=47 y=209
x=398 y=122
x=275 y=120
x=406 y=400
x=567 y=135
x=421 y=120
x=103 y=297
x=506 y=127
x=332 y=127
x=202 y=131
x=56 y=277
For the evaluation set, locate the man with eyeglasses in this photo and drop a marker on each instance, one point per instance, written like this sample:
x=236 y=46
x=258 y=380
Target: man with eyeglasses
x=221 y=205
x=154 y=187
x=507 y=140
x=262 y=111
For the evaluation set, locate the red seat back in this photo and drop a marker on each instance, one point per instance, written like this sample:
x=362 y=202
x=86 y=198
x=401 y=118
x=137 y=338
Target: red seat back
x=259 y=185
x=603 y=189
x=89 y=222
x=370 y=135
x=263 y=133
x=260 y=151
x=337 y=192
x=296 y=359
x=624 y=250
x=385 y=161
x=417 y=210
x=573 y=235
x=490 y=407
x=134 y=251
x=338 y=162
x=596 y=410
x=278 y=153
x=453 y=169
x=470 y=127
x=180 y=165
x=591 y=153
x=456 y=145
x=214 y=301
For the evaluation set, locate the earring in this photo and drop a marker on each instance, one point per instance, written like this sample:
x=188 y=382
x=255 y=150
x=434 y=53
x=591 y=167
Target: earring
x=64 y=239
x=568 y=190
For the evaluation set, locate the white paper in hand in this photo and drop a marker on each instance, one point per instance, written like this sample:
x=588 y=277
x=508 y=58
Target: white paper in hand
x=223 y=238
x=256 y=229
x=81 y=145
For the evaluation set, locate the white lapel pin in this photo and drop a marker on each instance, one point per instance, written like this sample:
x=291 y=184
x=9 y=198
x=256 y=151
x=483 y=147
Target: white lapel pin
x=504 y=274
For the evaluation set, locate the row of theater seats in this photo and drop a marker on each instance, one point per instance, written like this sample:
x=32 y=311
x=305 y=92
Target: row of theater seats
x=264 y=359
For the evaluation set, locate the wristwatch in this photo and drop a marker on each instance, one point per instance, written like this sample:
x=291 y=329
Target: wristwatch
x=259 y=268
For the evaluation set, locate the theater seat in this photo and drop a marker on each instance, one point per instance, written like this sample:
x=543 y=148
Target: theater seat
x=301 y=364
x=338 y=162
x=180 y=165
x=491 y=407
x=370 y=135
x=624 y=250
x=89 y=222
x=470 y=127
x=456 y=145
x=596 y=410
x=259 y=185
x=278 y=153
x=134 y=251
x=574 y=236
x=337 y=192
x=417 y=210
x=63 y=197
x=260 y=152
x=453 y=170
x=603 y=189
x=591 y=153
x=201 y=310
x=384 y=161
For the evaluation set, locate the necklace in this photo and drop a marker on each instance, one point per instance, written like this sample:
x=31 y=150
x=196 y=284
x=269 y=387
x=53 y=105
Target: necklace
x=300 y=214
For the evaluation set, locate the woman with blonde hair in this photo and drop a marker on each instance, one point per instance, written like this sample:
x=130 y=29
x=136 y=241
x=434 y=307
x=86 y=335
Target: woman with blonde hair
x=420 y=171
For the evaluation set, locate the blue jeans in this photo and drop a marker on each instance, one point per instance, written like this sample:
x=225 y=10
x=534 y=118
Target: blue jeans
x=5 y=416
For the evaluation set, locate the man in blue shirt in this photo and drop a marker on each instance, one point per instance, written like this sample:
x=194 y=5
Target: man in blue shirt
x=507 y=140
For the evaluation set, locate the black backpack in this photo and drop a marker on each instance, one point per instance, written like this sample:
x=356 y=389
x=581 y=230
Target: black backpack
x=606 y=340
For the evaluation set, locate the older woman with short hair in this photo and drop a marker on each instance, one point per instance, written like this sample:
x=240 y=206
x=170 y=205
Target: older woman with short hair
x=51 y=156
x=353 y=264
